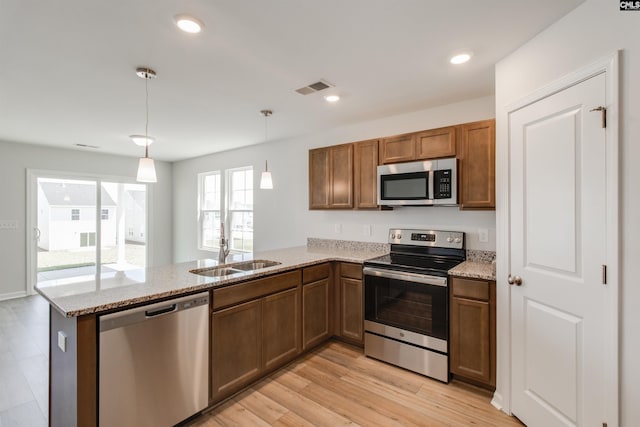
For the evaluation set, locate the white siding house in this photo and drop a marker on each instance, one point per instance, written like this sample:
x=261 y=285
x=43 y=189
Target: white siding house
x=67 y=216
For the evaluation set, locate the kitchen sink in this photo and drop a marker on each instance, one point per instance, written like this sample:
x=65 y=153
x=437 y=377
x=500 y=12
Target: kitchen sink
x=254 y=265
x=215 y=271
x=240 y=267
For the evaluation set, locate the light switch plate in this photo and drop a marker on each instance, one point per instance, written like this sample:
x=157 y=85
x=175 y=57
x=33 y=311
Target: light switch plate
x=483 y=235
x=7 y=224
x=366 y=230
x=62 y=341
x=337 y=228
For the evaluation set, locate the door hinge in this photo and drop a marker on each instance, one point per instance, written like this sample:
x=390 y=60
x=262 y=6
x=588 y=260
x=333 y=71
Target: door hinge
x=604 y=274
x=603 y=112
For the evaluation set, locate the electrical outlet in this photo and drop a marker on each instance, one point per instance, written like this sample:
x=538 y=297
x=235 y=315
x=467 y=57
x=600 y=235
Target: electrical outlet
x=337 y=228
x=366 y=230
x=62 y=341
x=7 y=224
x=483 y=235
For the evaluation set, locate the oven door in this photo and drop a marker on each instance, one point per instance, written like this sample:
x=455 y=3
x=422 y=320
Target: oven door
x=408 y=301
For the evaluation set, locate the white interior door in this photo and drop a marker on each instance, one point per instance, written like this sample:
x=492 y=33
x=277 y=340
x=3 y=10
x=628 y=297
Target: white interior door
x=558 y=237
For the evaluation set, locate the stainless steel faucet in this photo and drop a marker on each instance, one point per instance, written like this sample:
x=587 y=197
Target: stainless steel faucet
x=224 y=247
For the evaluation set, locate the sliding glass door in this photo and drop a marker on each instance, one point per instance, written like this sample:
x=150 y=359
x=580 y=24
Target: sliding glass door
x=85 y=227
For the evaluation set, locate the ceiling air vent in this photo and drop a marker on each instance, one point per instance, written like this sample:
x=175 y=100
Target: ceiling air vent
x=314 y=87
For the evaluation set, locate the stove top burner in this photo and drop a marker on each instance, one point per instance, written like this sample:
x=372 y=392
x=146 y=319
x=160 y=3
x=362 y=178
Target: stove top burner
x=434 y=256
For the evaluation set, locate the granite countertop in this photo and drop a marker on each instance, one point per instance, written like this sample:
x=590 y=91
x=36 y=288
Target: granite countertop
x=125 y=288
x=475 y=270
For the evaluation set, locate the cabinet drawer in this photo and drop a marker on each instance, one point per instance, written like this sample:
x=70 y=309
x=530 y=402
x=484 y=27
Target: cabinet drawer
x=469 y=288
x=315 y=273
x=254 y=289
x=353 y=271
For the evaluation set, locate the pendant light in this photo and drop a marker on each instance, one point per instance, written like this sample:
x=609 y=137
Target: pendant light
x=266 y=183
x=146 y=165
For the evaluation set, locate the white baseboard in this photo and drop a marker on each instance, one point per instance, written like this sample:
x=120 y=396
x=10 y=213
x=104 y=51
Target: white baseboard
x=497 y=402
x=12 y=295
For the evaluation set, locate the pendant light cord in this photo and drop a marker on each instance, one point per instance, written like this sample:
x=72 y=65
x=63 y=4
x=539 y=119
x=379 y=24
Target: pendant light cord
x=146 y=124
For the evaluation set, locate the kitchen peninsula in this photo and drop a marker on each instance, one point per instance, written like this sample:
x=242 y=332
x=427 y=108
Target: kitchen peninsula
x=282 y=311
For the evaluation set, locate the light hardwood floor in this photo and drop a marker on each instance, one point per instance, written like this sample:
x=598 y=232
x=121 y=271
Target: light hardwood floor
x=338 y=385
x=24 y=362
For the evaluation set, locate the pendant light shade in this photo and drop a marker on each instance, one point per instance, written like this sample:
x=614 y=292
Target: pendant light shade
x=266 y=183
x=146 y=165
x=142 y=140
x=146 y=170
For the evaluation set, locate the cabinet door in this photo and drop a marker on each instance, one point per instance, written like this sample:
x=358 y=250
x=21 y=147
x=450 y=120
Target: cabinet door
x=351 y=315
x=478 y=165
x=365 y=161
x=470 y=339
x=319 y=179
x=341 y=176
x=435 y=143
x=236 y=347
x=315 y=313
x=395 y=149
x=280 y=328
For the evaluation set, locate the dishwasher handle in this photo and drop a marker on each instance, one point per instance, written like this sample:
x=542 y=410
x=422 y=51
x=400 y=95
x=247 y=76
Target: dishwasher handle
x=147 y=313
x=160 y=311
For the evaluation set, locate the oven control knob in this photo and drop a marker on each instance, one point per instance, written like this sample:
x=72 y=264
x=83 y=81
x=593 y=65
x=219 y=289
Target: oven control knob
x=399 y=236
x=449 y=239
x=393 y=235
x=458 y=240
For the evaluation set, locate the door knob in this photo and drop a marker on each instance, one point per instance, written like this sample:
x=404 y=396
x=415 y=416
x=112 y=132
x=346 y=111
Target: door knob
x=514 y=280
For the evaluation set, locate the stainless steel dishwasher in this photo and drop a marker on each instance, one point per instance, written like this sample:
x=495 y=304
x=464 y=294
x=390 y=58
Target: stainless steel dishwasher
x=154 y=363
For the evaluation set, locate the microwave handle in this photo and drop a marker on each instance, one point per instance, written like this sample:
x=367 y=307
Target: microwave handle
x=431 y=185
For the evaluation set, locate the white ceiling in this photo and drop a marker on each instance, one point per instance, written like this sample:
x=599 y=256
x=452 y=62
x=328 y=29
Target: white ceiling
x=67 y=67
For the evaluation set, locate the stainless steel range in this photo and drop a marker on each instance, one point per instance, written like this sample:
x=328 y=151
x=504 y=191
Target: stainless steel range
x=407 y=300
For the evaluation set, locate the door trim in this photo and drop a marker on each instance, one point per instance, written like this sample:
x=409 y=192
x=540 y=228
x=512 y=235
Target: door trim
x=610 y=66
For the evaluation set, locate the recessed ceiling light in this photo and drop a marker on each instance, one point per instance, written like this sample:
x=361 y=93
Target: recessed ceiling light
x=189 y=24
x=460 y=58
x=332 y=98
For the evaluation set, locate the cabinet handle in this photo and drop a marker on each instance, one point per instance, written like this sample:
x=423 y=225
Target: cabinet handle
x=514 y=280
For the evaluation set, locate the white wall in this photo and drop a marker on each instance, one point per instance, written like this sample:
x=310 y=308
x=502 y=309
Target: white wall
x=593 y=31
x=282 y=218
x=15 y=159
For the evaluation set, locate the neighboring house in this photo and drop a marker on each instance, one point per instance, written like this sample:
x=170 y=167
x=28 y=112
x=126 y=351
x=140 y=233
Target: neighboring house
x=67 y=216
x=135 y=215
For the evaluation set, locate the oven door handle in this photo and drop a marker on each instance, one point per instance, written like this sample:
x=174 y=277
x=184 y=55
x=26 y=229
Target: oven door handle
x=407 y=277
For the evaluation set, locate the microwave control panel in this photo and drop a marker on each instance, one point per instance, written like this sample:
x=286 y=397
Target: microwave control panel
x=442 y=181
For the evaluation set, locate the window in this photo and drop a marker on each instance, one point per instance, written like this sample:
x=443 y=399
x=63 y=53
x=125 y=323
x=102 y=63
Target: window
x=75 y=214
x=104 y=214
x=226 y=196
x=240 y=210
x=210 y=194
x=87 y=239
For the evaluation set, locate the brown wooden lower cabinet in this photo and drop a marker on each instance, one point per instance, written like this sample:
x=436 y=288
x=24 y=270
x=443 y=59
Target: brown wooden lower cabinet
x=316 y=317
x=472 y=331
x=236 y=347
x=351 y=300
x=251 y=338
x=280 y=328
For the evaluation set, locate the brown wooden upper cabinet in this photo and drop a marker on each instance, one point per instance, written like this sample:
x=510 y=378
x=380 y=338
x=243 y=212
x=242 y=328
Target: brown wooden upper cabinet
x=398 y=149
x=331 y=177
x=365 y=159
x=345 y=176
x=436 y=143
x=428 y=144
x=478 y=165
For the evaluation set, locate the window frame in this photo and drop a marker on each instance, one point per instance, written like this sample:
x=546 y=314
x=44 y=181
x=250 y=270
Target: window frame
x=225 y=203
x=201 y=207
x=75 y=214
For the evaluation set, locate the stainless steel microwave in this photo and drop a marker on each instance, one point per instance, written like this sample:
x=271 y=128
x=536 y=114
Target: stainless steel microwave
x=425 y=183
